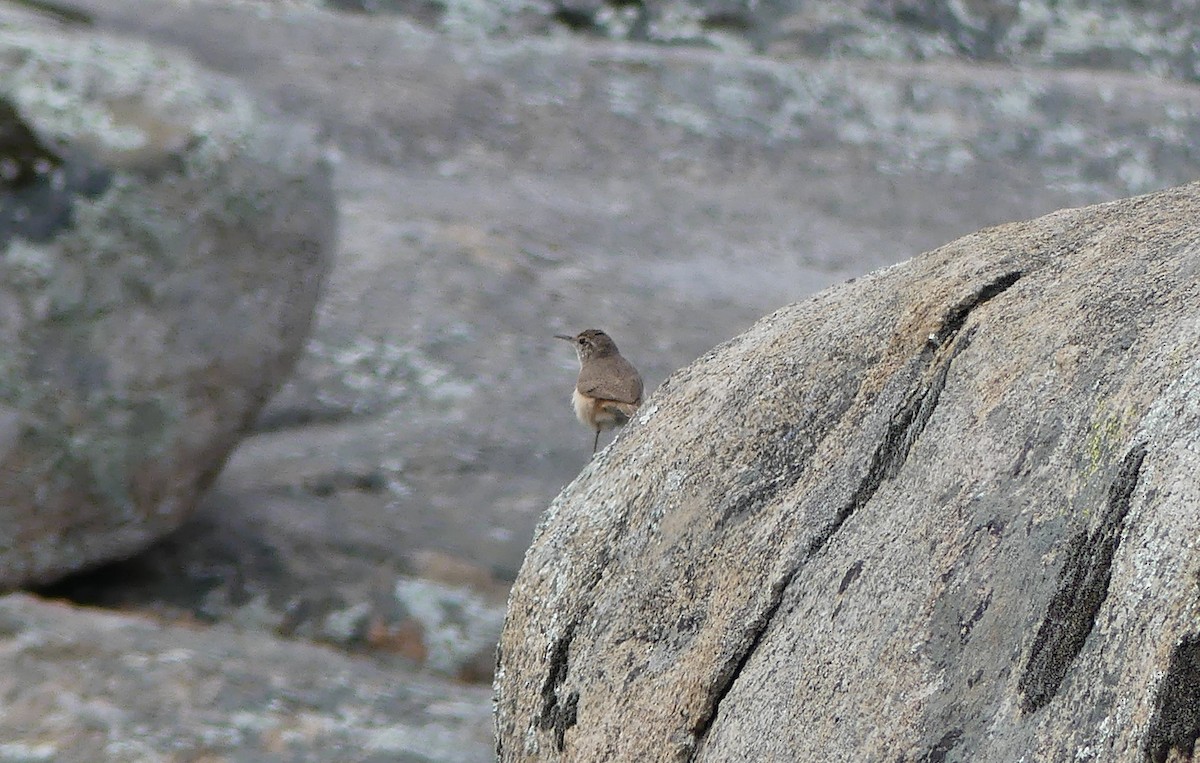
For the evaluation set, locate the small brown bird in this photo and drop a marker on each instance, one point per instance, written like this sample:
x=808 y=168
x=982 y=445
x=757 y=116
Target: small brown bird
x=609 y=389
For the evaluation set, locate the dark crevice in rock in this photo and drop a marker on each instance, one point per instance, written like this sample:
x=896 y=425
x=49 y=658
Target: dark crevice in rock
x=779 y=465
x=575 y=19
x=905 y=426
x=909 y=421
x=24 y=158
x=727 y=677
x=958 y=315
x=736 y=22
x=1175 y=725
x=498 y=734
x=965 y=626
x=559 y=713
x=201 y=571
x=39 y=182
x=1082 y=589
x=903 y=430
x=948 y=742
x=59 y=12
x=289 y=417
x=850 y=576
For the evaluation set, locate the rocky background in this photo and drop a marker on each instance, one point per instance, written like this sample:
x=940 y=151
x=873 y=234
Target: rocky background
x=667 y=171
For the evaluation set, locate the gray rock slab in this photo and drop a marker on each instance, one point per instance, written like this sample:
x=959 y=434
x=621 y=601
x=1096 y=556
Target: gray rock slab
x=945 y=511
x=81 y=686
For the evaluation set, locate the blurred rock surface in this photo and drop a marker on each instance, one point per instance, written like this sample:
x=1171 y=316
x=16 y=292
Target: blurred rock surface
x=82 y=686
x=162 y=248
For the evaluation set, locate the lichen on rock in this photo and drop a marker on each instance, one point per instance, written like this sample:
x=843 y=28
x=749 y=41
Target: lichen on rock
x=164 y=243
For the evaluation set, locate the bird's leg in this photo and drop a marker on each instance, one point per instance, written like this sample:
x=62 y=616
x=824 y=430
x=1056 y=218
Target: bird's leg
x=596 y=441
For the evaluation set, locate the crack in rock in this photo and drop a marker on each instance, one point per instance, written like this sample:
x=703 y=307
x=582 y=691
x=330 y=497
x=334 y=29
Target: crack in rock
x=1175 y=725
x=728 y=676
x=957 y=317
x=559 y=713
x=909 y=421
x=1082 y=589
x=904 y=428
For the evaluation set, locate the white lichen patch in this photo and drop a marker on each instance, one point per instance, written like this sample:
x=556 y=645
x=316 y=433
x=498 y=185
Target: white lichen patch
x=85 y=97
x=457 y=623
x=476 y=19
x=367 y=374
x=436 y=742
x=21 y=752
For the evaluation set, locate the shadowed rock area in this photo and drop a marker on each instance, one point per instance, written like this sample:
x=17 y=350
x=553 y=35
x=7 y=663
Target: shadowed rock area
x=944 y=511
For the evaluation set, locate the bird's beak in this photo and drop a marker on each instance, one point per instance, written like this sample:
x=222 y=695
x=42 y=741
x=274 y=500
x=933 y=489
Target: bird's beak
x=564 y=336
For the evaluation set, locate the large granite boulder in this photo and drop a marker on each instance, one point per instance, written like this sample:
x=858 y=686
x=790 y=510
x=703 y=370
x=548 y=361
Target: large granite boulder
x=162 y=247
x=946 y=511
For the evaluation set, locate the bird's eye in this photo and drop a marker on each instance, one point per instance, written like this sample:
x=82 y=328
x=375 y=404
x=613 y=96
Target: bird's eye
x=582 y=340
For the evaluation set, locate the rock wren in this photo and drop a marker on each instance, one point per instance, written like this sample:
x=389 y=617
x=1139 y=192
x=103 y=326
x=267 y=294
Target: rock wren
x=609 y=389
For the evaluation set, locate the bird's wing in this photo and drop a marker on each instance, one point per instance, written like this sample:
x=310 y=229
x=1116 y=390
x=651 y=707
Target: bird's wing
x=611 y=379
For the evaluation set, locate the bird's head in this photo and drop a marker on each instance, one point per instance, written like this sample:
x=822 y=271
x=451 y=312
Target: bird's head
x=592 y=343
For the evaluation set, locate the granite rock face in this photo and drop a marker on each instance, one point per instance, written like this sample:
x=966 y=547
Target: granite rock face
x=162 y=248
x=942 y=512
